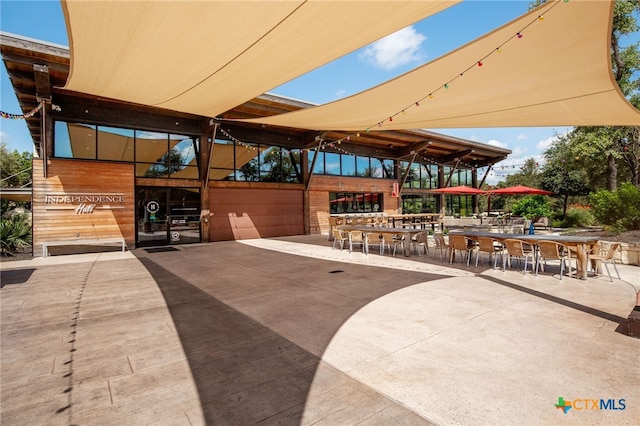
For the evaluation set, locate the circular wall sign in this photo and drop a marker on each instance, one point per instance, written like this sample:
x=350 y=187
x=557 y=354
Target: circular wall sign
x=153 y=207
x=175 y=236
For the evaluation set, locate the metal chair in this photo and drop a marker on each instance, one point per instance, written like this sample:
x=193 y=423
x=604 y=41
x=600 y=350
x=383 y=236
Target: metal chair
x=421 y=239
x=491 y=246
x=442 y=245
x=358 y=237
x=552 y=250
x=339 y=237
x=387 y=241
x=520 y=249
x=461 y=244
x=607 y=258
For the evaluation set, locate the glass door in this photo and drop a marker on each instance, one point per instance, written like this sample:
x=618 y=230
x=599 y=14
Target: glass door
x=167 y=216
x=152 y=220
x=184 y=215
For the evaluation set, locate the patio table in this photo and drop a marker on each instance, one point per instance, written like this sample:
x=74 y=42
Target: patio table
x=581 y=244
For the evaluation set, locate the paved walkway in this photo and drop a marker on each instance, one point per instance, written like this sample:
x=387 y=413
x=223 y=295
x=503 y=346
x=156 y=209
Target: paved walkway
x=289 y=331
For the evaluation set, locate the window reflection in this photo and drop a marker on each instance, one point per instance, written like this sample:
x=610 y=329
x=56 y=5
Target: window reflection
x=355 y=202
x=115 y=144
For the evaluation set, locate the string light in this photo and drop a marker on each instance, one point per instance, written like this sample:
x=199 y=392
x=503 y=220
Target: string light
x=478 y=63
x=23 y=116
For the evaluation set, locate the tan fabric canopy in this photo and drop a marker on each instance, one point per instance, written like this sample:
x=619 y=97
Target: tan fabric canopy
x=206 y=57
x=558 y=73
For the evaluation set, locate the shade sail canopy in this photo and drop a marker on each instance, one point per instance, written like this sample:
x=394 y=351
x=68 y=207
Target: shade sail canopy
x=459 y=190
x=519 y=190
x=550 y=67
x=206 y=57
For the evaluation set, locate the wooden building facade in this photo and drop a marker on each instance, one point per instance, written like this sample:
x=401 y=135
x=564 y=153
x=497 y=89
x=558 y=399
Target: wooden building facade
x=106 y=169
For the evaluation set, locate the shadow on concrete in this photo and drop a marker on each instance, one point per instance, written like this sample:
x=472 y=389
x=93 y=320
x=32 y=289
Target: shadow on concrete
x=568 y=303
x=257 y=363
x=15 y=276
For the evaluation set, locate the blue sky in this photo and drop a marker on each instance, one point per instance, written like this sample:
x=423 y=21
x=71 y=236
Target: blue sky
x=367 y=67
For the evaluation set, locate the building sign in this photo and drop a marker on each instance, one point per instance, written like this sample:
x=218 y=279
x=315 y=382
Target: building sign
x=84 y=203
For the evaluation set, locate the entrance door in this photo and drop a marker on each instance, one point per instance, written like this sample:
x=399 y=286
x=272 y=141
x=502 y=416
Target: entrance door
x=167 y=216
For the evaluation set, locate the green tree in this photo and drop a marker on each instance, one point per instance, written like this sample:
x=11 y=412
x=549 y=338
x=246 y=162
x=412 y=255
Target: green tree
x=15 y=172
x=608 y=155
x=533 y=207
x=15 y=167
x=529 y=175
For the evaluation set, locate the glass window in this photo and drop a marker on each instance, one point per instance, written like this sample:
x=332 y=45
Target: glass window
x=332 y=164
x=115 y=144
x=363 y=168
x=151 y=146
x=376 y=168
x=74 y=140
x=319 y=166
x=348 y=165
x=354 y=202
x=62 y=141
x=388 y=169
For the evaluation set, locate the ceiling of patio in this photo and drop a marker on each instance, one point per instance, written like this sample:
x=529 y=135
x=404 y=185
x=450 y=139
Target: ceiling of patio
x=206 y=57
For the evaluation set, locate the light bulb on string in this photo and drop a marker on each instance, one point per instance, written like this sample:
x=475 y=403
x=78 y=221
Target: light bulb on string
x=479 y=63
x=519 y=35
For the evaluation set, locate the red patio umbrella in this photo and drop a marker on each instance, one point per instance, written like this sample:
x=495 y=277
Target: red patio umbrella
x=459 y=190
x=519 y=190
x=515 y=190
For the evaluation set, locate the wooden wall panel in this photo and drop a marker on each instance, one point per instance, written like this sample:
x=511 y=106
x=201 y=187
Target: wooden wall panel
x=61 y=222
x=321 y=186
x=244 y=213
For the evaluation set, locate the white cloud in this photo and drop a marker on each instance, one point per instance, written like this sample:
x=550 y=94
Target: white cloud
x=394 y=50
x=544 y=144
x=340 y=94
x=521 y=137
x=518 y=151
x=494 y=142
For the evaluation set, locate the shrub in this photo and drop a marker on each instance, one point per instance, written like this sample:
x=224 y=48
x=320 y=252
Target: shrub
x=532 y=207
x=619 y=210
x=15 y=234
x=578 y=217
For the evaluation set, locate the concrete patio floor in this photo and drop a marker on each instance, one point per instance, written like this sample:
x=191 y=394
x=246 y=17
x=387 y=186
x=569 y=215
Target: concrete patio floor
x=289 y=331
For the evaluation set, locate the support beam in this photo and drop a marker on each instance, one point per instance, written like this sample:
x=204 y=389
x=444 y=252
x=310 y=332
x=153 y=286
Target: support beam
x=453 y=170
x=312 y=168
x=455 y=156
x=406 y=174
x=485 y=176
x=413 y=149
x=43 y=82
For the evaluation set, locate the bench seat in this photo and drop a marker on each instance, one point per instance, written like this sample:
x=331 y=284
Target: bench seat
x=100 y=241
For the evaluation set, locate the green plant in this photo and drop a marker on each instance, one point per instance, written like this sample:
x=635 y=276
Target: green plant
x=618 y=210
x=532 y=207
x=578 y=217
x=15 y=234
